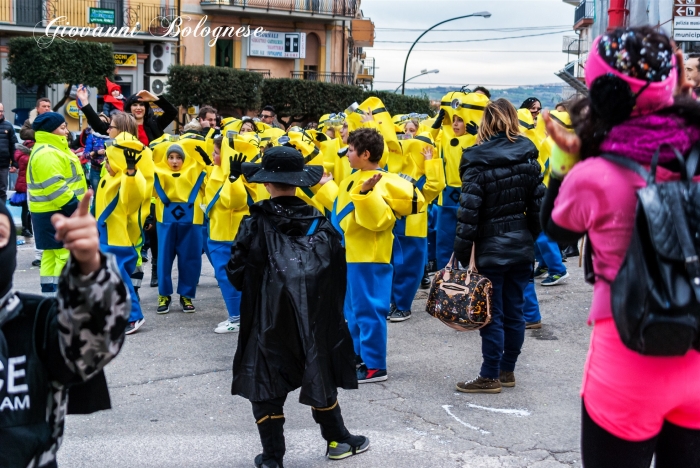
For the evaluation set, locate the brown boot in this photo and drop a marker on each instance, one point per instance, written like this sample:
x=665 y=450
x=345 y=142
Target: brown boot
x=507 y=379
x=480 y=385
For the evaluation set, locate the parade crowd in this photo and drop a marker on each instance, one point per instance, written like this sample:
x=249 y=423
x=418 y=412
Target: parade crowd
x=321 y=236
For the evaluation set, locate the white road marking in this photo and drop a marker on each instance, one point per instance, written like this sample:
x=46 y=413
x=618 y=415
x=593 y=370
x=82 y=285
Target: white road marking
x=467 y=425
x=518 y=413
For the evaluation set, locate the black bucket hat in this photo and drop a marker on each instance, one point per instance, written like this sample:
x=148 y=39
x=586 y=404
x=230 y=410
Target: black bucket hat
x=283 y=165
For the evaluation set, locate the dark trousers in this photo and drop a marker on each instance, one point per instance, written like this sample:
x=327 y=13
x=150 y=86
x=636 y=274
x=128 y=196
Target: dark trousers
x=502 y=339
x=269 y=417
x=674 y=447
x=26 y=219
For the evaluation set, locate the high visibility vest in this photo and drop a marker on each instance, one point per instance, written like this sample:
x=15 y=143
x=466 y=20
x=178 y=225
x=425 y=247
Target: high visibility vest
x=54 y=175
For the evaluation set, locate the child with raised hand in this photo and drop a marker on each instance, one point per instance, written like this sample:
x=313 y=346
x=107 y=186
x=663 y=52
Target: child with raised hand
x=179 y=186
x=366 y=210
x=293 y=333
x=226 y=205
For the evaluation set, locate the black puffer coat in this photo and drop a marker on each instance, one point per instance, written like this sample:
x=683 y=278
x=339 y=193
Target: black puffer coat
x=500 y=202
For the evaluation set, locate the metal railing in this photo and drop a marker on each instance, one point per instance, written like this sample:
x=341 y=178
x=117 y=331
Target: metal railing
x=585 y=10
x=264 y=72
x=574 y=45
x=346 y=8
x=75 y=13
x=367 y=67
x=332 y=77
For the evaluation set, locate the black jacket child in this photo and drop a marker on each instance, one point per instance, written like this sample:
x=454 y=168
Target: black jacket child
x=52 y=352
x=499 y=206
x=293 y=332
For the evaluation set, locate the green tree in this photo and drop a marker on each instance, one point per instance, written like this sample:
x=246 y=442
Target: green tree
x=61 y=62
x=221 y=87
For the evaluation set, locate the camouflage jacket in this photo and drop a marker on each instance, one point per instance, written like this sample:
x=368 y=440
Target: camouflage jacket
x=49 y=347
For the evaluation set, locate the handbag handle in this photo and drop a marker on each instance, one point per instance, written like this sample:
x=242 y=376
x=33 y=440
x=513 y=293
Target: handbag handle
x=453 y=264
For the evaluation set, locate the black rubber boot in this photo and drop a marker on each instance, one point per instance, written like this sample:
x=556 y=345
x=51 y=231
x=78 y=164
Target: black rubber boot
x=272 y=438
x=154 y=274
x=331 y=421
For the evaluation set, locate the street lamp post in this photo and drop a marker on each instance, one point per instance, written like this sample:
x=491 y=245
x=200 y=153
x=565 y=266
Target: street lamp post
x=423 y=72
x=484 y=14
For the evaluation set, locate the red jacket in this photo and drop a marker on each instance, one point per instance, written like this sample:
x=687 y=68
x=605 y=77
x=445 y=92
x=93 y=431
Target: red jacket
x=22 y=159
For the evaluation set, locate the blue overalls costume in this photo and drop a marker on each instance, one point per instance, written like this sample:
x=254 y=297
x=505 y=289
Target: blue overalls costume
x=410 y=249
x=470 y=107
x=179 y=222
x=366 y=222
x=121 y=206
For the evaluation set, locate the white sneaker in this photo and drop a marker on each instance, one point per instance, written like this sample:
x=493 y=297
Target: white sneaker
x=228 y=327
x=226 y=322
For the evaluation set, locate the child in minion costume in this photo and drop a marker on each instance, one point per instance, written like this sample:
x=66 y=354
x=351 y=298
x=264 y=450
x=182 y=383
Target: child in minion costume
x=468 y=108
x=368 y=204
x=423 y=168
x=319 y=196
x=372 y=113
x=227 y=201
x=179 y=189
x=121 y=206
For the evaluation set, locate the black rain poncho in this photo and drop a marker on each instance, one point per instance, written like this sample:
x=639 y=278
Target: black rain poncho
x=293 y=332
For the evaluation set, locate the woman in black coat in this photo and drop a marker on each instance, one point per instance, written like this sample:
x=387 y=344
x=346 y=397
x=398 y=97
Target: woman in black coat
x=498 y=217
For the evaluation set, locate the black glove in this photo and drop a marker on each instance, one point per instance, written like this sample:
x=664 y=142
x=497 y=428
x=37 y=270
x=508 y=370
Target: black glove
x=438 y=119
x=472 y=128
x=203 y=154
x=236 y=164
x=131 y=160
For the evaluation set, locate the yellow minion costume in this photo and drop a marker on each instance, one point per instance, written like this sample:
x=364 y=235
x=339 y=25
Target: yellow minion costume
x=227 y=201
x=392 y=159
x=179 y=218
x=121 y=205
x=55 y=184
x=319 y=196
x=410 y=251
x=470 y=108
x=366 y=221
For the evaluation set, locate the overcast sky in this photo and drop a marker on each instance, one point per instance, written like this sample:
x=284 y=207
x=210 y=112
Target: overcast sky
x=513 y=62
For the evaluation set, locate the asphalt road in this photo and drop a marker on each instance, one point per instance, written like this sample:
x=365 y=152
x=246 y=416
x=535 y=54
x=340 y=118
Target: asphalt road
x=172 y=405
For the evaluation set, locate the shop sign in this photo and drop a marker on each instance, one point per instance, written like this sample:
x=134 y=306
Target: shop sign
x=278 y=45
x=101 y=16
x=125 y=60
x=72 y=109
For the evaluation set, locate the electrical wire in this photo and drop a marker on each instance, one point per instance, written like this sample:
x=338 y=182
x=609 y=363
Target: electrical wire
x=474 y=40
x=513 y=29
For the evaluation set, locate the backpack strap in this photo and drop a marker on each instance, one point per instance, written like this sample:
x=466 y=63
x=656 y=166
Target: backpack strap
x=691 y=164
x=685 y=239
x=631 y=165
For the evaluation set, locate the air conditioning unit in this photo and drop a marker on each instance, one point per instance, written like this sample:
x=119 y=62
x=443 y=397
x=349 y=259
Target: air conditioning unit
x=158 y=84
x=160 y=58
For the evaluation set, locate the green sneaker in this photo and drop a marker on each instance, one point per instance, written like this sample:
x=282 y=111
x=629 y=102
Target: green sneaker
x=163 y=305
x=187 y=305
x=480 y=385
x=552 y=280
x=507 y=379
x=340 y=450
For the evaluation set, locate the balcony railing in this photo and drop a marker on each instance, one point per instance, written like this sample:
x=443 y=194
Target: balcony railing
x=584 y=14
x=345 y=8
x=574 y=45
x=75 y=13
x=333 y=77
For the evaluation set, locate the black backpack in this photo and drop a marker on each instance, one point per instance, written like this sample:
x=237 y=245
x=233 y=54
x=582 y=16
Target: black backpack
x=656 y=294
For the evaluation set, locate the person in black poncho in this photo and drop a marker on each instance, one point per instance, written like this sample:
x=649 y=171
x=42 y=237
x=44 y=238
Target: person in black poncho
x=289 y=264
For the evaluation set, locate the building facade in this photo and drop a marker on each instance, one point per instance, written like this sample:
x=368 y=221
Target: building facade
x=322 y=40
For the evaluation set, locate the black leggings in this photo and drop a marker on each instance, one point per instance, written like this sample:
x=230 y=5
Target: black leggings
x=674 y=447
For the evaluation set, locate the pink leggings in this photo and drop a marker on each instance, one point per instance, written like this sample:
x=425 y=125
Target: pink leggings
x=630 y=395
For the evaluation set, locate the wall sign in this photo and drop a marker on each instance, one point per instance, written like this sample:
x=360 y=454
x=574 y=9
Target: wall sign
x=278 y=45
x=101 y=16
x=125 y=60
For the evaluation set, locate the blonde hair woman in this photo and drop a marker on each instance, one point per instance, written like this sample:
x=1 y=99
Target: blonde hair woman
x=499 y=218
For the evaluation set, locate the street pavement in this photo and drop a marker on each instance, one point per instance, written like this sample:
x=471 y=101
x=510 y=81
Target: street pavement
x=172 y=406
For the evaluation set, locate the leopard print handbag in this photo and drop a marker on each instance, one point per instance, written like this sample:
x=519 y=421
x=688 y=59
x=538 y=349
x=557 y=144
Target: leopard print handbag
x=461 y=299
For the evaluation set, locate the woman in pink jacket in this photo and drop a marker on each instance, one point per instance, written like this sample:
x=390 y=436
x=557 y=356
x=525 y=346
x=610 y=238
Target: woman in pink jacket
x=634 y=406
